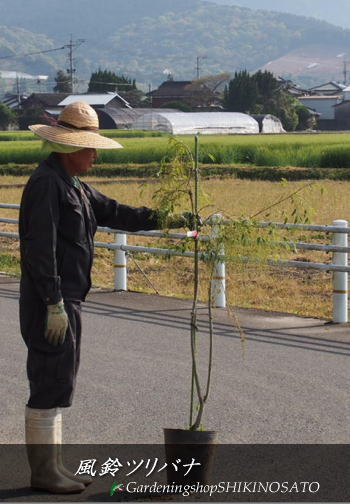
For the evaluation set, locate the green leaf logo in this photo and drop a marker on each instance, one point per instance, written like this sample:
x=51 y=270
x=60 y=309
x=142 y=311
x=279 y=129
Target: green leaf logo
x=114 y=488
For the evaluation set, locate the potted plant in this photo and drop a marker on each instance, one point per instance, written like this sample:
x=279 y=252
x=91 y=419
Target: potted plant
x=180 y=188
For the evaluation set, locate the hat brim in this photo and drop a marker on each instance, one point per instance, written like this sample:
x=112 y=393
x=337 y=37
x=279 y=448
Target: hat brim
x=74 y=137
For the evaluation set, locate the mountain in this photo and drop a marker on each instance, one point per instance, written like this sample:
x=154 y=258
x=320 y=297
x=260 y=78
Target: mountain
x=310 y=65
x=83 y=18
x=336 y=12
x=144 y=39
x=16 y=41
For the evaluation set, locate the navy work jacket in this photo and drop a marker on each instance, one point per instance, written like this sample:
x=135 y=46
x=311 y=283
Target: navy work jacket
x=57 y=224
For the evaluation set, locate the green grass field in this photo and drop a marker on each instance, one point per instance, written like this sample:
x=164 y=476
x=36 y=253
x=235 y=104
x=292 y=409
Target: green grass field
x=13 y=136
x=305 y=151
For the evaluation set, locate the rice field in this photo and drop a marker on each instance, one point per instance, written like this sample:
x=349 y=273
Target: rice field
x=290 y=150
x=303 y=292
x=14 y=136
x=291 y=156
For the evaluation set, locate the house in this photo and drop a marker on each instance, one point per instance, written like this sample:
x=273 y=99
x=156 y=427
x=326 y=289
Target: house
x=14 y=101
x=170 y=91
x=328 y=89
x=329 y=103
x=44 y=100
x=334 y=110
x=342 y=111
x=324 y=105
x=292 y=88
x=342 y=115
x=53 y=103
x=97 y=100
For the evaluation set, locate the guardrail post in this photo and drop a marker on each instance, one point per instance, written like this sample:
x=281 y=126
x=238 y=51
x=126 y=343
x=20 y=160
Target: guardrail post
x=340 y=279
x=120 y=264
x=218 y=285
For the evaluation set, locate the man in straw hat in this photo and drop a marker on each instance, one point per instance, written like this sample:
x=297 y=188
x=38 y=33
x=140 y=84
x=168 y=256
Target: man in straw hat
x=58 y=219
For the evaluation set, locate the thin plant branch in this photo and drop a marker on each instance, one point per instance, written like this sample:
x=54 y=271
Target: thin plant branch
x=145 y=275
x=282 y=200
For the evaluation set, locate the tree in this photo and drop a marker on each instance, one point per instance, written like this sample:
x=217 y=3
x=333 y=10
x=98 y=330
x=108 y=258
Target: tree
x=286 y=110
x=305 y=118
x=31 y=115
x=241 y=93
x=267 y=86
x=261 y=93
x=177 y=105
x=63 y=83
x=135 y=97
x=103 y=81
x=206 y=91
x=7 y=117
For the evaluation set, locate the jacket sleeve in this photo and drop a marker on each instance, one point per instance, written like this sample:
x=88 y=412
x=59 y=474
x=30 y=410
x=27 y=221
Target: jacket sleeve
x=38 y=232
x=110 y=213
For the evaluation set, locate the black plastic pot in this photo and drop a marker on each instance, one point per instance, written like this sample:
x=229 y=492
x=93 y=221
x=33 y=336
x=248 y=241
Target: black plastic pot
x=187 y=445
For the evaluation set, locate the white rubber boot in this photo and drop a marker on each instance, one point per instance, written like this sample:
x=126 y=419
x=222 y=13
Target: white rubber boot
x=42 y=451
x=85 y=479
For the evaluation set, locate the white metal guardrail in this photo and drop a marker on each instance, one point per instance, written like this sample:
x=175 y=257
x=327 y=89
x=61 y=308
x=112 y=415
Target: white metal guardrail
x=339 y=267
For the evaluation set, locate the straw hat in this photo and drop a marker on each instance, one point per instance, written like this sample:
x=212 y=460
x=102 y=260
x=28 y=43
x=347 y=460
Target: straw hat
x=77 y=126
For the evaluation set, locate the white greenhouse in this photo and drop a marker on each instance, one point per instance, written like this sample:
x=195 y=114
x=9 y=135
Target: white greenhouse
x=269 y=123
x=206 y=123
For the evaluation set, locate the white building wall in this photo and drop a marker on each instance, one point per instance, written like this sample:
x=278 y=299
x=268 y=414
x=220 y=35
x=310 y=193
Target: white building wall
x=324 y=105
x=346 y=93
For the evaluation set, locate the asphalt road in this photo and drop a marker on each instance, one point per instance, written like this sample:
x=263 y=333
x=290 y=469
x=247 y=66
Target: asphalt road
x=288 y=383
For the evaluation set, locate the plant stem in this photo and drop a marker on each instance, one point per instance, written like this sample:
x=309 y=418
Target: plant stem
x=211 y=331
x=195 y=378
x=194 y=328
x=196 y=179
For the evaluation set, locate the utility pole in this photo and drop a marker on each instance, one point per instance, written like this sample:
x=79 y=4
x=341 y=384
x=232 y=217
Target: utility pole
x=18 y=92
x=72 y=45
x=345 y=71
x=198 y=67
x=198 y=57
x=150 y=96
x=71 y=69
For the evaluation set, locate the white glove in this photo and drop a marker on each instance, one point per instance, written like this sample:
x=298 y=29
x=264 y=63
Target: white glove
x=56 y=323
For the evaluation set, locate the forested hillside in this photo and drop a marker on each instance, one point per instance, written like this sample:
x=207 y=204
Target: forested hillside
x=336 y=12
x=84 y=18
x=143 y=38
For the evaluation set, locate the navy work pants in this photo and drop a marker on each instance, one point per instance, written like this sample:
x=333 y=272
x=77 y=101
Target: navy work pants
x=52 y=370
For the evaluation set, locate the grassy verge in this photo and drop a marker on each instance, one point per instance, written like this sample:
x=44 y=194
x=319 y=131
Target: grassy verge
x=9 y=263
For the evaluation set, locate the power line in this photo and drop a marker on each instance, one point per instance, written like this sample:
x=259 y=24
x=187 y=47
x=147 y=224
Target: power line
x=32 y=54
x=70 y=46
